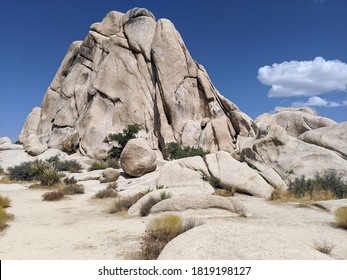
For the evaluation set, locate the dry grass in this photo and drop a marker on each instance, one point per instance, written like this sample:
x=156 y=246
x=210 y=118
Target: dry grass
x=106 y=193
x=6 y=180
x=147 y=205
x=4 y=202
x=286 y=196
x=224 y=192
x=124 y=203
x=324 y=247
x=4 y=218
x=53 y=195
x=73 y=189
x=341 y=217
x=159 y=232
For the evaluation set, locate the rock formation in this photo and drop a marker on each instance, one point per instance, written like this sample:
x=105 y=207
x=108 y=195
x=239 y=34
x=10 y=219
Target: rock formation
x=133 y=69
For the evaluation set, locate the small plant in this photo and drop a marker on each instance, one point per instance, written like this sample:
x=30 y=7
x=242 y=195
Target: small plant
x=159 y=232
x=70 y=180
x=48 y=174
x=4 y=202
x=69 y=145
x=103 y=164
x=122 y=139
x=53 y=195
x=4 y=217
x=224 y=192
x=147 y=205
x=2 y=172
x=165 y=195
x=189 y=224
x=108 y=192
x=160 y=187
x=68 y=165
x=324 y=247
x=113 y=186
x=124 y=203
x=341 y=217
x=73 y=189
x=214 y=181
x=23 y=172
x=174 y=151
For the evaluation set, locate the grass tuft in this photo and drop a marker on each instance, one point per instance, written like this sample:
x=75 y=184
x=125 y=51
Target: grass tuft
x=5 y=202
x=341 y=217
x=73 y=189
x=53 y=195
x=324 y=247
x=106 y=193
x=103 y=164
x=124 y=203
x=4 y=218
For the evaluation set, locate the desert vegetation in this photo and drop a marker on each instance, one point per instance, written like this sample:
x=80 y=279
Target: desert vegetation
x=103 y=164
x=324 y=247
x=341 y=217
x=122 y=139
x=109 y=191
x=72 y=189
x=68 y=165
x=220 y=188
x=175 y=151
x=53 y=195
x=124 y=203
x=161 y=231
x=325 y=186
x=5 y=202
x=69 y=145
x=2 y=171
x=151 y=201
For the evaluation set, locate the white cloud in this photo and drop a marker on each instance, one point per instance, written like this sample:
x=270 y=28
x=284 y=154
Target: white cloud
x=304 y=78
x=316 y=101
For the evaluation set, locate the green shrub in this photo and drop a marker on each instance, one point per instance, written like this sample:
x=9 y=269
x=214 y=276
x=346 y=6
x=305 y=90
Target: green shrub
x=23 y=172
x=124 y=203
x=66 y=165
x=70 y=180
x=69 y=145
x=53 y=195
x=122 y=139
x=4 y=202
x=103 y=164
x=48 y=174
x=174 y=151
x=341 y=217
x=73 y=189
x=327 y=182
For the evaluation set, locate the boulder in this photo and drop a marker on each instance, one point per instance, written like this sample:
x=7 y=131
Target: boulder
x=238 y=241
x=138 y=158
x=33 y=146
x=109 y=175
x=237 y=175
x=6 y=144
x=295 y=120
x=31 y=124
x=333 y=137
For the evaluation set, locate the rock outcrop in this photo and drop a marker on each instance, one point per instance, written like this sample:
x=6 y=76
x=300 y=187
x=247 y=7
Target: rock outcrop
x=131 y=69
x=295 y=120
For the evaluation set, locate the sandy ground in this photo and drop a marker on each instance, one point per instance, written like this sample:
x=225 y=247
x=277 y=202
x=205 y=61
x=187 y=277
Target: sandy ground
x=79 y=227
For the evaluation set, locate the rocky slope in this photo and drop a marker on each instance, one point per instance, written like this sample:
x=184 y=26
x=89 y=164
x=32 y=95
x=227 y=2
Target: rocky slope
x=133 y=69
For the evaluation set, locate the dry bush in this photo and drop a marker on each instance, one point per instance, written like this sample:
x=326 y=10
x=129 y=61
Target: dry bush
x=73 y=189
x=324 y=247
x=224 y=192
x=70 y=181
x=341 y=217
x=147 y=205
x=103 y=164
x=316 y=195
x=124 y=203
x=159 y=232
x=108 y=192
x=112 y=186
x=69 y=145
x=4 y=202
x=2 y=171
x=4 y=217
x=53 y=195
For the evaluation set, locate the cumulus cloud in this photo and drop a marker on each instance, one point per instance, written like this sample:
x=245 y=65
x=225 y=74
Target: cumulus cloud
x=316 y=101
x=304 y=78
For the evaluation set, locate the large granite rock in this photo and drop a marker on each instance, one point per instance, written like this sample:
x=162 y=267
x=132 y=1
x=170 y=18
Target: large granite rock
x=130 y=69
x=333 y=137
x=138 y=158
x=295 y=120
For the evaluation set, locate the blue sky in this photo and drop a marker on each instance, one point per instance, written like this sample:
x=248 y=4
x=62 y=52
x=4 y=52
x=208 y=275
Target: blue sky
x=292 y=50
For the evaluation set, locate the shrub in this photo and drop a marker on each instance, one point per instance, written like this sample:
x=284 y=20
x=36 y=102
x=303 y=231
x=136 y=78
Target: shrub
x=108 y=192
x=2 y=172
x=159 y=232
x=69 y=145
x=189 y=224
x=159 y=187
x=165 y=195
x=70 y=180
x=324 y=247
x=103 y=164
x=341 y=217
x=48 y=174
x=4 y=202
x=113 y=186
x=224 y=192
x=174 y=151
x=214 y=181
x=53 y=195
x=329 y=184
x=68 y=165
x=147 y=206
x=73 y=189
x=122 y=139
x=4 y=217
x=124 y=203
x=23 y=172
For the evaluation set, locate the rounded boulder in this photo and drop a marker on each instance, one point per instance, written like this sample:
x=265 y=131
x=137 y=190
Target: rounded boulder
x=138 y=158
